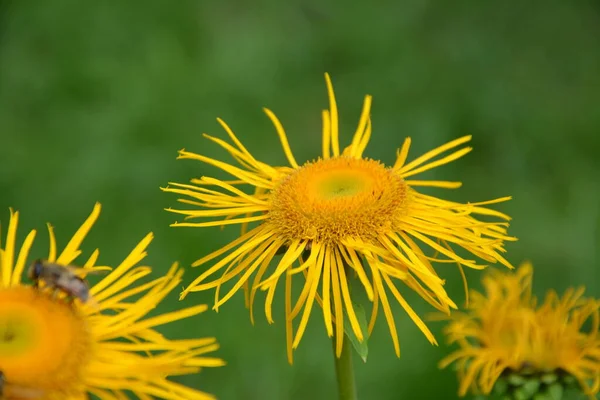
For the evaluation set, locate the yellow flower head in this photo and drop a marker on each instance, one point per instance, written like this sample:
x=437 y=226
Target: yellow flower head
x=505 y=331
x=54 y=348
x=330 y=219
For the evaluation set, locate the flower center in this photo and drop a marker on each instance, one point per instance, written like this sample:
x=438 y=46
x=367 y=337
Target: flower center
x=43 y=343
x=329 y=200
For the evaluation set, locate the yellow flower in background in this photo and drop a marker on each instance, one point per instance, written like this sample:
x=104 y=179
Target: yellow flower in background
x=340 y=216
x=505 y=331
x=53 y=348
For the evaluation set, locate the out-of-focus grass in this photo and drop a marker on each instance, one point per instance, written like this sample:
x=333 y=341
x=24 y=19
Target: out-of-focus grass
x=96 y=98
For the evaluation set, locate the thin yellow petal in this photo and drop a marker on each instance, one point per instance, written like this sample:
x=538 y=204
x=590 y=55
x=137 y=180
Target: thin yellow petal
x=9 y=249
x=339 y=312
x=282 y=137
x=434 y=164
x=430 y=154
x=52 y=251
x=346 y=297
x=288 y=320
x=335 y=145
x=314 y=274
x=71 y=250
x=411 y=313
x=327 y=266
x=365 y=140
x=245 y=276
x=135 y=256
x=362 y=124
x=387 y=311
x=402 y=154
x=326 y=136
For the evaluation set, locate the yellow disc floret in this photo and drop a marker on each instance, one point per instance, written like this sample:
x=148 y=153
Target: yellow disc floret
x=329 y=200
x=43 y=342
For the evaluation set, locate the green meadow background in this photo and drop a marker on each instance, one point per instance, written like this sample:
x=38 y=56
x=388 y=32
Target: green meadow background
x=97 y=97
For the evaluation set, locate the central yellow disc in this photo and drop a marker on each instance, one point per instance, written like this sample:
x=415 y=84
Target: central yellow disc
x=340 y=183
x=332 y=199
x=43 y=341
x=18 y=333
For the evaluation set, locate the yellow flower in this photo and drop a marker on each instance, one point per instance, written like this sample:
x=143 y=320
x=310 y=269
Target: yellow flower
x=339 y=216
x=504 y=331
x=52 y=348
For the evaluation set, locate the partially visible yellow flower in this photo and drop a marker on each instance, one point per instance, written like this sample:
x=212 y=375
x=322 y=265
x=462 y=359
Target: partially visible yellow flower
x=504 y=331
x=335 y=218
x=51 y=348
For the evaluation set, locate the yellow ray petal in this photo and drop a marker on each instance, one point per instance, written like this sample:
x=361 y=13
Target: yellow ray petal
x=9 y=249
x=326 y=135
x=22 y=259
x=282 y=137
x=71 y=250
x=333 y=113
x=360 y=130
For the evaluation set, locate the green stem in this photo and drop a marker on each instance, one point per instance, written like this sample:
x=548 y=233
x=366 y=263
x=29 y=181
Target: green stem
x=345 y=372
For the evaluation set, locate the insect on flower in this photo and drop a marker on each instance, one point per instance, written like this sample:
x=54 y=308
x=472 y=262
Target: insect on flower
x=55 y=345
x=60 y=277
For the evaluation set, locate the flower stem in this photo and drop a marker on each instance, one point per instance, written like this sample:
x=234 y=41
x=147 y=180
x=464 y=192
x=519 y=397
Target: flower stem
x=345 y=372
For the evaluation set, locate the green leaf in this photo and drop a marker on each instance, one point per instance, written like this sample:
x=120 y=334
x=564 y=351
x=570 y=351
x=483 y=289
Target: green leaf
x=531 y=387
x=521 y=394
x=541 y=396
x=549 y=378
x=555 y=391
x=500 y=387
x=361 y=348
x=516 y=380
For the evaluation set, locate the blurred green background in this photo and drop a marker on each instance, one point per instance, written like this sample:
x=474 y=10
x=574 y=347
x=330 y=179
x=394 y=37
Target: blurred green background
x=97 y=97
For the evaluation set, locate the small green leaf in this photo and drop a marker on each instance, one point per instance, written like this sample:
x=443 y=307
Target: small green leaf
x=549 y=378
x=516 y=380
x=555 y=391
x=500 y=387
x=531 y=387
x=521 y=394
x=361 y=348
x=541 y=396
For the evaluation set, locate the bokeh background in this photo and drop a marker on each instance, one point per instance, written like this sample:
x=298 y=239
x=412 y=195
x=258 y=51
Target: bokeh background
x=97 y=97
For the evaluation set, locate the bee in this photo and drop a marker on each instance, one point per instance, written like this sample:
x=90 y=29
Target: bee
x=59 y=277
